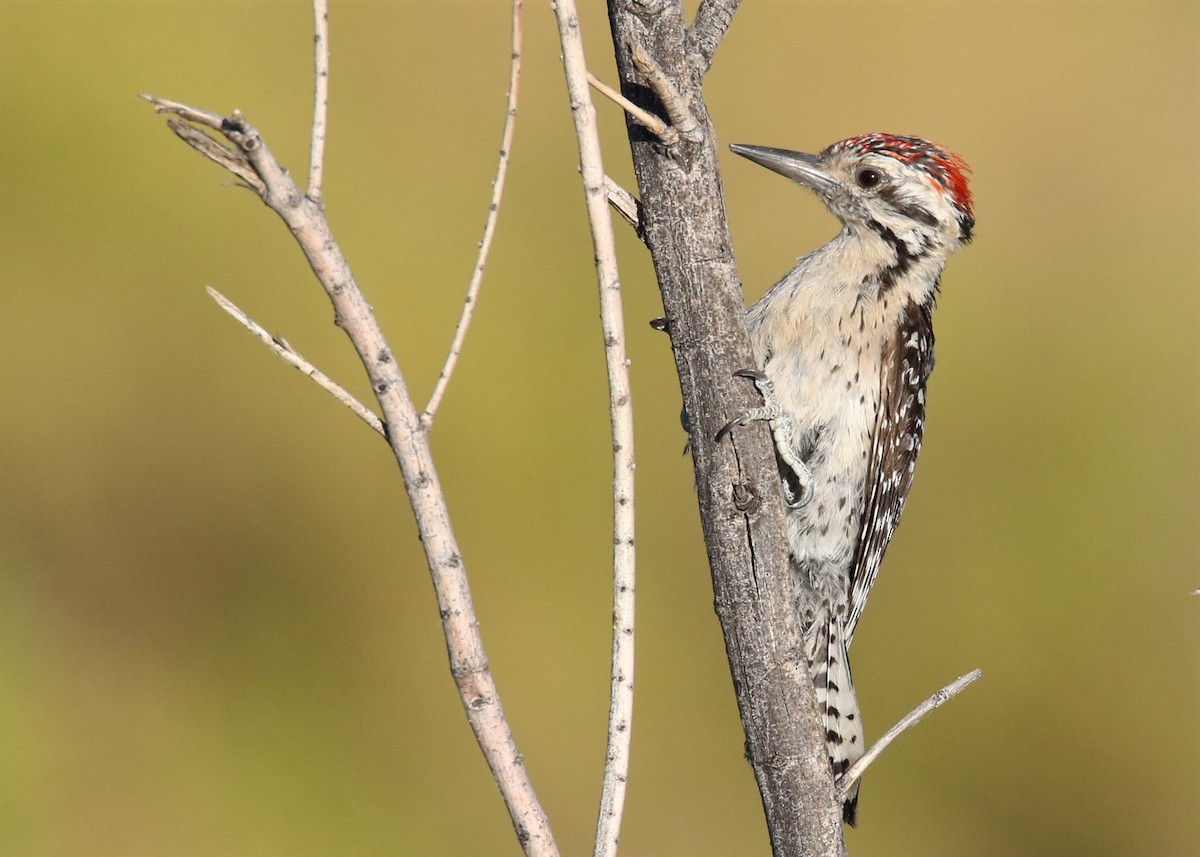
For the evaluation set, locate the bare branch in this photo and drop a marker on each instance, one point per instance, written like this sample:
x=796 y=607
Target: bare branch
x=489 y=226
x=620 y=713
x=410 y=445
x=708 y=29
x=624 y=202
x=654 y=125
x=289 y=355
x=316 y=158
x=846 y=781
x=672 y=101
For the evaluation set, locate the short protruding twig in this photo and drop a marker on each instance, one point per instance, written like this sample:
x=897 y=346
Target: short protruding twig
x=316 y=158
x=654 y=125
x=625 y=203
x=672 y=101
x=489 y=226
x=846 y=782
x=290 y=356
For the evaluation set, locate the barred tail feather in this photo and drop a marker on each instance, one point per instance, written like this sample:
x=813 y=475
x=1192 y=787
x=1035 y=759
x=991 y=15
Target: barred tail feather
x=837 y=703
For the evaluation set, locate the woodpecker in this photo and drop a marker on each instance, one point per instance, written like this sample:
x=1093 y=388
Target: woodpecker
x=844 y=348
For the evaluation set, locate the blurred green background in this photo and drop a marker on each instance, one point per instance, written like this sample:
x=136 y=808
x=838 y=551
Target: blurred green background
x=217 y=634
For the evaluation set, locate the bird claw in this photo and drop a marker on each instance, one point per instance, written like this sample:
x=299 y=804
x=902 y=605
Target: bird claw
x=807 y=489
x=782 y=433
x=758 y=376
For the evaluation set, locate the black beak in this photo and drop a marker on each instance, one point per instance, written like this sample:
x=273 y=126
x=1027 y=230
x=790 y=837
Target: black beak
x=800 y=167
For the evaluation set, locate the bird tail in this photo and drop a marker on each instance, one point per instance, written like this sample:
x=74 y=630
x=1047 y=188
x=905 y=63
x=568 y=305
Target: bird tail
x=837 y=704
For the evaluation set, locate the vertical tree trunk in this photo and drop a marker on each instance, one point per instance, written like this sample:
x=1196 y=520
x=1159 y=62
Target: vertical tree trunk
x=738 y=487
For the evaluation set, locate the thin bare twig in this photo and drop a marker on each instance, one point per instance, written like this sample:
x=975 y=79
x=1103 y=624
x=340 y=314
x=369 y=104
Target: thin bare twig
x=846 y=782
x=489 y=227
x=654 y=125
x=191 y=114
x=620 y=713
x=290 y=356
x=625 y=203
x=316 y=159
x=668 y=94
x=410 y=445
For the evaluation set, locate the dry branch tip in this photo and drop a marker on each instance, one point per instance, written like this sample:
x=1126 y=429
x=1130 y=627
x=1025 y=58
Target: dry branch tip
x=193 y=114
x=846 y=782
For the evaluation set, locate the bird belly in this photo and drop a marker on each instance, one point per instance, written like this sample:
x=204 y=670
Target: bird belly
x=832 y=403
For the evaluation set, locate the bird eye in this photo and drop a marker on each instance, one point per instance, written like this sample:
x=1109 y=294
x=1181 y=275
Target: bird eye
x=868 y=178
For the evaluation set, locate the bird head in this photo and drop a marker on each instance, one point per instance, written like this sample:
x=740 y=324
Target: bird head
x=904 y=188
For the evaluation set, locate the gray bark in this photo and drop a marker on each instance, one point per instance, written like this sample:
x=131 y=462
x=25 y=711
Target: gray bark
x=737 y=484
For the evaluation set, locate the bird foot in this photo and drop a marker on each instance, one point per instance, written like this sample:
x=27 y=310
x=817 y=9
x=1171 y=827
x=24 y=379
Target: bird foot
x=783 y=434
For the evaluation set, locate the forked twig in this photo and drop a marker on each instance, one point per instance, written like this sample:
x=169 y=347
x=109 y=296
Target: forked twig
x=247 y=155
x=224 y=156
x=289 y=355
x=489 y=227
x=316 y=159
x=847 y=780
x=306 y=221
x=620 y=713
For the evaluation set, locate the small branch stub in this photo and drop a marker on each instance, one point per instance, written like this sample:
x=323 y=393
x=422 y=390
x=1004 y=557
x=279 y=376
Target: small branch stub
x=625 y=203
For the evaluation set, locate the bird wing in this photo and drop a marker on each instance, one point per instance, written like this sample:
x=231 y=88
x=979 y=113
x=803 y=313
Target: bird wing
x=895 y=443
